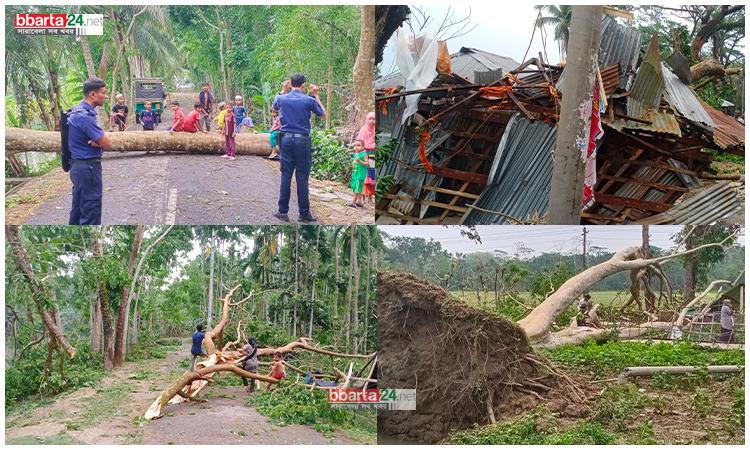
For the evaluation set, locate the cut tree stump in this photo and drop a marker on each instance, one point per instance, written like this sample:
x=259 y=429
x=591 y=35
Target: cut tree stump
x=22 y=140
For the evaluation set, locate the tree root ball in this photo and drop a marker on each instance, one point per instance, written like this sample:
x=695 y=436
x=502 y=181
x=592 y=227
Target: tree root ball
x=461 y=361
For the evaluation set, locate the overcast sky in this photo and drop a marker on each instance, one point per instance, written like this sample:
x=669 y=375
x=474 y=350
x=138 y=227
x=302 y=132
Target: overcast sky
x=541 y=239
x=503 y=28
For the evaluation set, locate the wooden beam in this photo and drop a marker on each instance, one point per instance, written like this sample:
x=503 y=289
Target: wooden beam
x=385 y=202
x=634 y=119
x=649 y=164
x=407 y=218
x=450 y=191
x=664 y=187
x=631 y=202
x=460 y=175
x=618 y=13
x=426 y=202
x=520 y=107
x=431 y=89
x=598 y=217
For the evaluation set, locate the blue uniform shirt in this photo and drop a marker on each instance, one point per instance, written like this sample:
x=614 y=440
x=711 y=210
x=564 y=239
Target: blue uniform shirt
x=197 y=342
x=294 y=110
x=82 y=127
x=149 y=119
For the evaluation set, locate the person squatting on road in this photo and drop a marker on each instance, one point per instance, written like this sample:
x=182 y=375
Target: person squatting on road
x=196 y=350
x=86 y=141
x=251 y=363
x=296 y=147
x=119 y=114
x=192 y=122
x=206 y=100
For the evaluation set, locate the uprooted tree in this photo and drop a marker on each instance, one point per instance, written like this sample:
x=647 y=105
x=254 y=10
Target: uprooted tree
x=186 y=387
x=495 y=370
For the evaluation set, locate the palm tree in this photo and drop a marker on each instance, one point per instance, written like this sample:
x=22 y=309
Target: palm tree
x=560 y=18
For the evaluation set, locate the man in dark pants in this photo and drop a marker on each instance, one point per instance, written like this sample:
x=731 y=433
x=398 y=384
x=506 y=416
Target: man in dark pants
x=196 y=350
x=294 y=110
x=86 y=140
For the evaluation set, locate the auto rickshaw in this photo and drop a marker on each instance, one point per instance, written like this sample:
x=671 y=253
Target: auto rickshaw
x=151 y=90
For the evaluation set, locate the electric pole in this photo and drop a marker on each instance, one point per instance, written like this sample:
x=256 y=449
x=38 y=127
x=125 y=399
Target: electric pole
x=574 y=127
x=585 y=232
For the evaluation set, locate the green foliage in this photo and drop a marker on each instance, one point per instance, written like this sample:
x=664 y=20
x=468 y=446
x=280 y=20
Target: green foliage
x=618 y=404
x=384 y=184
x=734 y=418
x=701 y=403
x=298 y=405
x=62 y=438
x=383 y=152
x=329 y=156
x=611 y=358
x=25 y=378
x=535 y=430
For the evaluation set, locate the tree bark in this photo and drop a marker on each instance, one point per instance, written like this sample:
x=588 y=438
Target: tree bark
x=711 y=67
x=219 y=328
x=708 y=27
x=24 y=140
x=351 y=276
x=211 y=280
x=363 y=71
x=120 y=336
x=39 y=293
x=355 y=294
x=108 y=347
x=540 y=319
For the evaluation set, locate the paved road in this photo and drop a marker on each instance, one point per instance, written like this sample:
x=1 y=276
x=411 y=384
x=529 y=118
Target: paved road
x=158 y=188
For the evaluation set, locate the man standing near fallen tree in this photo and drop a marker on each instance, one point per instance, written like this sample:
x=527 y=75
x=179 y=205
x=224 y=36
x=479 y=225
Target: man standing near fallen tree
x=196 y=350
x=87 y=143
x=727 y=321
x=296 y=147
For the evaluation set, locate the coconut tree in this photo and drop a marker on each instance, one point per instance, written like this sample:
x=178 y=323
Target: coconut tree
x=559 y=17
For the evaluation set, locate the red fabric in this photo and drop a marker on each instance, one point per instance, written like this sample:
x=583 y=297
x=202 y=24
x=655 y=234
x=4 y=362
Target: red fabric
x=367 y=133
x=178 y=116
x=422 y=156
x=189 y=124
x=278 y=376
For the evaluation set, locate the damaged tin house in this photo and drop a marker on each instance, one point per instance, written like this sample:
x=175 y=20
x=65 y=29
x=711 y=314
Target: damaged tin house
x=476 y=146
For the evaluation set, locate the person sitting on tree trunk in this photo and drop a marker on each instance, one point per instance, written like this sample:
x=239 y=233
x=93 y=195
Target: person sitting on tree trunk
x=585 y=306
x=251 y=363
x=196 y=350
x=727 y=321
x=278 y=370
x=179 y=117
x=192 y=122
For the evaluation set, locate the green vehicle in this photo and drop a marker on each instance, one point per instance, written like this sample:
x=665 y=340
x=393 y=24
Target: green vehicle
x=151 y=90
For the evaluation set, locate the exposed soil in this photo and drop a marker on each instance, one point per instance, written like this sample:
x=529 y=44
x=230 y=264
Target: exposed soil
x=457 y=358
x=187 y=189
x=85 y=415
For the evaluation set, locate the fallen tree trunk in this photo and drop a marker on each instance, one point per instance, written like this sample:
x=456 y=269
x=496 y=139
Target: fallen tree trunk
x=711 y=67
x=630 y=372
x=23 y=140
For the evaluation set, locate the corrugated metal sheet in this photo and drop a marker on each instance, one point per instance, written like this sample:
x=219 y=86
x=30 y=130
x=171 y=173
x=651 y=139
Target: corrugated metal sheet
x=393 y=79
x=469 y=60
x=728 y=133
x=682 y=99
x=648 y=85
x=611 y=77
x=621 y=45
x=662 y=123
x=488 y=77
x=464 y=63
x=707 y=207
x=519 y=181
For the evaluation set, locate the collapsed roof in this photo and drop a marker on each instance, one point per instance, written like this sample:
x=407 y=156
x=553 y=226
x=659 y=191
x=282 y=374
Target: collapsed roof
x=480 y=152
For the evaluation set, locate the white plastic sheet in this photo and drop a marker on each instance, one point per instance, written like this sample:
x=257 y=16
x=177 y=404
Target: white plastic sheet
x=416 y=58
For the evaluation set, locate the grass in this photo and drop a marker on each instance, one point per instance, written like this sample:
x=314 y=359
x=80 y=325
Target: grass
x=62 y=438
x=104 y=404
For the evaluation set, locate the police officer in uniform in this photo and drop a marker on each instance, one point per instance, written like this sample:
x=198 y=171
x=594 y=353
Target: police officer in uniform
x=86 y=140
x=294 y=110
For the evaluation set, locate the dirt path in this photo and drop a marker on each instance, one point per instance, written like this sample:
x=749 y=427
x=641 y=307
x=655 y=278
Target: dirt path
x=105 y=415
x=185 y=189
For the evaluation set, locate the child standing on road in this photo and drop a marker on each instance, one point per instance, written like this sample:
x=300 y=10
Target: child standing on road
x=278 y=370
x=359 y=173
x=240 y=115
x=367 y=135
x=149 y=119
x=229 y=131
x=275 y=127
